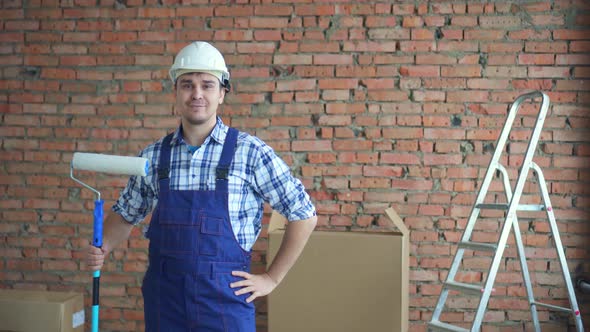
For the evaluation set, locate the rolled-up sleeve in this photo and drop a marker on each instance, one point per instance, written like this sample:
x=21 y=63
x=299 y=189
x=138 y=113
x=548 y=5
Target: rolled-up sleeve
x=284 y=192
x=138 y=198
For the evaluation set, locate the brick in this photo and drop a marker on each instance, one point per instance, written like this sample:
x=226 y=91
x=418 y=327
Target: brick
x=370 y=183
x=529 y=34
x=200 y=11
x=461 y=71
x=81 y=60
x=350 y=22
x=237 y=35
x=380 y=21
x=505 y=71
x=412 y=21
x=236 y=10
x=460 y=46
x=569 y=34
x=331 y=95
x=470 y=59
x=500 y=22
x=575 y=85
x=389 y=34
x=536 y=59
x=319 y=46
x=387 y=95
x=549 y=72
x=382 y=171
x=507 y=47
x=420 y=71
x=422 y=34
x=434 y=133
x=352 y=145
x=484 y=34
x=417 y=46
x=360 y=46
x=579 y=46
x=450 y=34
x=40 y=60
x=273 y=10
x=429 y=96
x=488 y=84
x=306 y=84
x=448 y=83
x=434 y=21
x=334 y=120
x=581 y=72
x=435 y=59
x=545 y=47
x=540 y=20
x=332 y=59
x=464 y=21
x=464 y=96
x=571 y=59
x=267 y=22
x=292 y=59
x=355 y=9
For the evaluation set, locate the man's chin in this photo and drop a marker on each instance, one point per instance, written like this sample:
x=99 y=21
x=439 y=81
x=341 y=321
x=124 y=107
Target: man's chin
x=194 y=121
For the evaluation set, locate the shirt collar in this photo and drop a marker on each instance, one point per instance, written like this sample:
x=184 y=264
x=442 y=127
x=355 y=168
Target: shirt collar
x=217 y=134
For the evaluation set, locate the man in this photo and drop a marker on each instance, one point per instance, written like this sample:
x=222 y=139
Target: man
x=208 y=184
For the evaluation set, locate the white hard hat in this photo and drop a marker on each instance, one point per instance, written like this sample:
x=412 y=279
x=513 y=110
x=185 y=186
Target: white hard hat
x=200 y=57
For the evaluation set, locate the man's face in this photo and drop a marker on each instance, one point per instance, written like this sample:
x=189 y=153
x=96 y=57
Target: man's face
x=197 y=97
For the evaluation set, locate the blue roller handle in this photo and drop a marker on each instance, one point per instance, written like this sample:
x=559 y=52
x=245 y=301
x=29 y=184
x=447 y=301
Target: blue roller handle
x=97 y=242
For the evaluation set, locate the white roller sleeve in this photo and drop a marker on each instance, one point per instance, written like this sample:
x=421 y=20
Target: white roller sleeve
x=110 y=164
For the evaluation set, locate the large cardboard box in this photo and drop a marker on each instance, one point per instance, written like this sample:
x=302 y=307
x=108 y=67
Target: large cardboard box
x=343 y=281
x=35 y=311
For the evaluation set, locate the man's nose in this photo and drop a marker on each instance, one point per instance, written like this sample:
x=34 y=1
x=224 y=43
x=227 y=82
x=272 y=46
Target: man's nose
x=197 y=92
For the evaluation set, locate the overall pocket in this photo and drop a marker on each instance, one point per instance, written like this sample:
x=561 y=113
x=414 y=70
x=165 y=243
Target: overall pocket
x=178 y=231
x=238 y=315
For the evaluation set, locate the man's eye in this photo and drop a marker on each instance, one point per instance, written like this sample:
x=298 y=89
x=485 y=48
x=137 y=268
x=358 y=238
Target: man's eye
x=186 y=86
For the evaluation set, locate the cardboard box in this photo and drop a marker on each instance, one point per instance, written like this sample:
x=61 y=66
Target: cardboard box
x=343 y=281
x=34 y=311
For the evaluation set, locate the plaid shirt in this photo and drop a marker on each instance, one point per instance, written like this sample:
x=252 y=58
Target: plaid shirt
x=257 y=175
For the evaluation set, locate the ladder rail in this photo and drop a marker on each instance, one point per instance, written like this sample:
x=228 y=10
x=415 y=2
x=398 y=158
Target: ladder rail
x=524 y=269
x=559 y=246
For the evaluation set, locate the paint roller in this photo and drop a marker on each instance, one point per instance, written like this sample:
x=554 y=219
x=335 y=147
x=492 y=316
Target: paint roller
x=105 y=164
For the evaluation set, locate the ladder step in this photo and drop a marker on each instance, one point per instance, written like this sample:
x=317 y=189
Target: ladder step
x=478 y=246
x=554 y=307
x=463 y=287
x=521 y=207
x=440 y=326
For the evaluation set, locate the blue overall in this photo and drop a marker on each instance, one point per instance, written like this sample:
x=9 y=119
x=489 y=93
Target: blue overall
x=192 y=253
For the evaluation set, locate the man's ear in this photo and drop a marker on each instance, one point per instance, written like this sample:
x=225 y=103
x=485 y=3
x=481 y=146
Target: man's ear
x=222 y=97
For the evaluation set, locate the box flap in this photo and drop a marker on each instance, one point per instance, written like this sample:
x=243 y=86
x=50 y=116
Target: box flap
x=277 y=221
x=396 y=221
x=35 y=296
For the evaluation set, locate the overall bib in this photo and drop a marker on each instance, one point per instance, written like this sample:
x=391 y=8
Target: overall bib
x=192 y=252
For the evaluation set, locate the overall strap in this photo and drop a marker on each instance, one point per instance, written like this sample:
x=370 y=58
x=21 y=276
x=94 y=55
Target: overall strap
x=227 y=155
x=164 y=163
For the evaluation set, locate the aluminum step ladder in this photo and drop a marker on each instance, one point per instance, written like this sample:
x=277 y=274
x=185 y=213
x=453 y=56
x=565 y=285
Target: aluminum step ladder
x=510 y=223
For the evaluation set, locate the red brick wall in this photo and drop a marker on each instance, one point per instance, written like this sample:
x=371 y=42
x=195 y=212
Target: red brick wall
x=373 y=104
